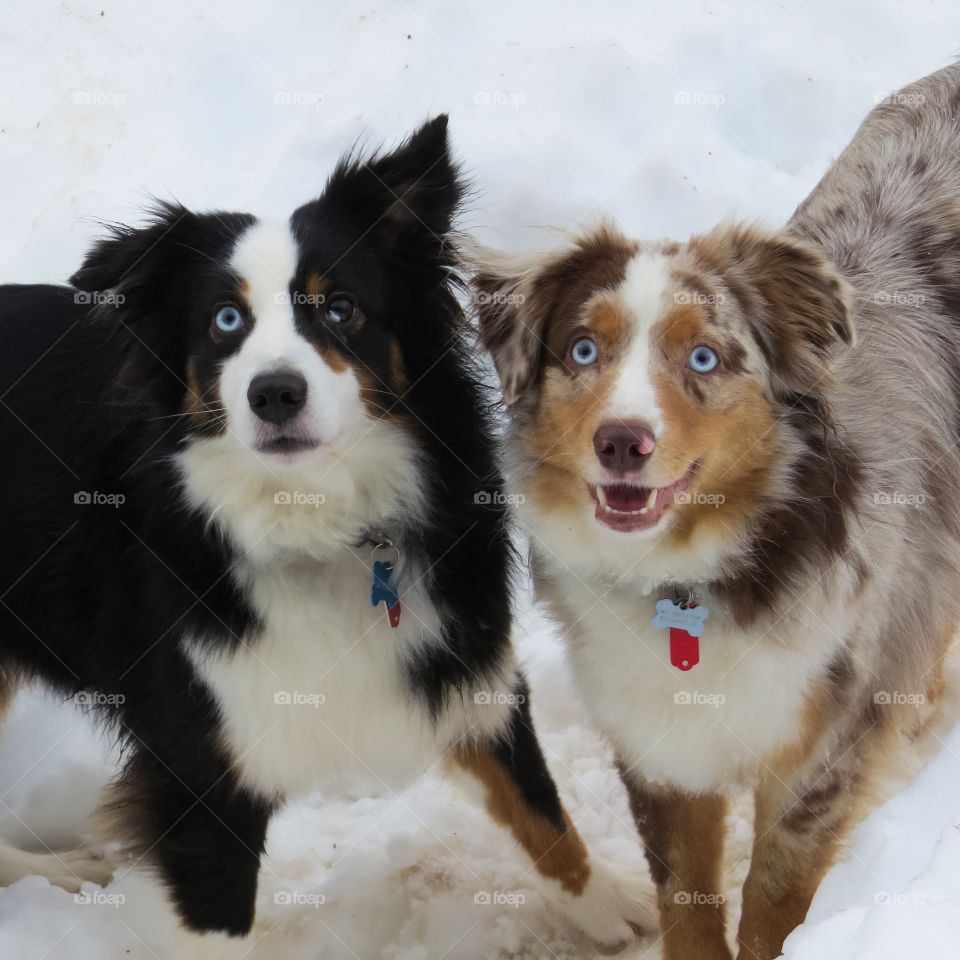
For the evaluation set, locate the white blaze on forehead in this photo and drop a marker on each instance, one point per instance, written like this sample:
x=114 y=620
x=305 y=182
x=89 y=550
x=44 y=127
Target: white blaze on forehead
x=265 y=258
x=642 y=296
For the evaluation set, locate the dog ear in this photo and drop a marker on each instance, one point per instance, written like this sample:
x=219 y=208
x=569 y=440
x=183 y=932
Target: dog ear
x=517 y=295
x=514 y=296
x=119 y=260
x=136 y=273
x=797 y=304
x=409 y=196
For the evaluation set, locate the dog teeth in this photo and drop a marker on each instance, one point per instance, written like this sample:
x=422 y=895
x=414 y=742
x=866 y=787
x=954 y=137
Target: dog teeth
x=649 y=505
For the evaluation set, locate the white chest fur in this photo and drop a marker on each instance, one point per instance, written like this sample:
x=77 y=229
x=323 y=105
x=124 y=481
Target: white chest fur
x=319 y=696
x=707 y=728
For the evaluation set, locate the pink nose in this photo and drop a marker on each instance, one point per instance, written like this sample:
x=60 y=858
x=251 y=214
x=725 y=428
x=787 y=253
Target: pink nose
x=623 y=447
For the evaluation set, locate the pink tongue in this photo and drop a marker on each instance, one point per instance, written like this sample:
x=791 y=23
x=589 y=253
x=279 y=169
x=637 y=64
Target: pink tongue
x=625 y=498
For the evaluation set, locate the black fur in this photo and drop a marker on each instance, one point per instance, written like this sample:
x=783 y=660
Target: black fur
x=97 y=596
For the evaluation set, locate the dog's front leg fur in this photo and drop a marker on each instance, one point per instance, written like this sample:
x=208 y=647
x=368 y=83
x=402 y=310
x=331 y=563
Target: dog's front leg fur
x=796 y=831
x=683 y=839
x=610 y=905
x=201 y=831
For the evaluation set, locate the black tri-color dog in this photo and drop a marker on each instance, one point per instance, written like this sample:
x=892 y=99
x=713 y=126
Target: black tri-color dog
x=222 y=443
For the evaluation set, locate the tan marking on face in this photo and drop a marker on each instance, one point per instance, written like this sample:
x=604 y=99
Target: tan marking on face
x=317 y=287
x=609 y=322
x=202 y=403
x=736 y=444
x=560 y=856
x=398 y=370
x=683 y=326
x=573 y=402
x=243 y=296
x=569 y=410
x=377 y=396
x=332 y=357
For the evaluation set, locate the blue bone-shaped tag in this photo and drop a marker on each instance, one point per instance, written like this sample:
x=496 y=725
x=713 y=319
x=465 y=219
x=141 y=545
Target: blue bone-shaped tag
x=382 y=590
x=670 y=614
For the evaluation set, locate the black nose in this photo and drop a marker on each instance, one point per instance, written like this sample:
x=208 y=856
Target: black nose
x=277 y=397
x=623 y=447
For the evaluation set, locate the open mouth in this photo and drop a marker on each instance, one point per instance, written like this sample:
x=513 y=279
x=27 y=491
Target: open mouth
x=627 y=507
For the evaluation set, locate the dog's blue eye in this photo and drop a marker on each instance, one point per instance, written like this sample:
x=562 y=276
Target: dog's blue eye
x=340 y=310
x=703 y=360
x=584 y=352
x=228 y=320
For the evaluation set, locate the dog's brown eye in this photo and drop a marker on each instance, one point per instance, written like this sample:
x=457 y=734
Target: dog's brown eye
x=340 y=310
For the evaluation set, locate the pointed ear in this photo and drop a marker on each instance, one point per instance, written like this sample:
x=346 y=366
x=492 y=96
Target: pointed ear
x=410 y=195
x=796 y=303
x=117 y=261
x=517 y=295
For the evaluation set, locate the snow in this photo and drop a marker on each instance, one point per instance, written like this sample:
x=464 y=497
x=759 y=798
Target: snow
x=669 y=117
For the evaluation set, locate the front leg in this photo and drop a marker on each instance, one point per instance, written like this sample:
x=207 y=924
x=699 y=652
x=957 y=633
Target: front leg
x=201 y=831
x=683 y=839
x=521 y=795
x=797 y=828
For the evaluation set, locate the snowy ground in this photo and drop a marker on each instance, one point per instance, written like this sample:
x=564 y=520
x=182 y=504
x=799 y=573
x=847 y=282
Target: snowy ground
x=670 y=117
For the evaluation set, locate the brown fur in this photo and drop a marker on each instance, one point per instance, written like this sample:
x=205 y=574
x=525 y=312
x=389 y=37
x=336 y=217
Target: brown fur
x=837 y=392
x=317 y=287
x=550 y=295
x=202 y=403
x=559 y=856
x=683 y=836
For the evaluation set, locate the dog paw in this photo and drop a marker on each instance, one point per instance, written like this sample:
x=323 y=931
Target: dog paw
x=70 y=869
x=617 y=905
